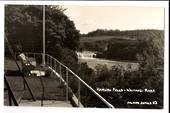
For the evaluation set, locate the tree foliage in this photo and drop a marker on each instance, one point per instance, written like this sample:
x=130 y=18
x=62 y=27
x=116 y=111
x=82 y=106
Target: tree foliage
x=117 y=32
x=149 y=76
x=122 y=51
x=24 y=26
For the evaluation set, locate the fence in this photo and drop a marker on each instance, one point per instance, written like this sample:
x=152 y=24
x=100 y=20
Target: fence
x=76 y=88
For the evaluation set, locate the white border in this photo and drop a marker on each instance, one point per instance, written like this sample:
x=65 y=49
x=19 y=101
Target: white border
x=163 y=4
x=93 y=3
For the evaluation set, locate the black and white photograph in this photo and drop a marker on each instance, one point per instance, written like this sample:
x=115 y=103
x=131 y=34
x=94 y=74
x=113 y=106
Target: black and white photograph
x=84 y=56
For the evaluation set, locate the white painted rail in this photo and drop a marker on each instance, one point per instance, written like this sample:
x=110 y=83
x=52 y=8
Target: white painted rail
x=52 y=63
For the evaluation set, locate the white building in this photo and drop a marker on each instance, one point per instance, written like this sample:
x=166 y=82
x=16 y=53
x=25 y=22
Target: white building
x=86 y=54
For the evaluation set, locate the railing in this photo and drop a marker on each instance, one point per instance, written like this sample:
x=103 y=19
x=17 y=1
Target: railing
x=72 y=82
x=11 y=97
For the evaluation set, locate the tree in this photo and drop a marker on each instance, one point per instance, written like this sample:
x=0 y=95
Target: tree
x=148 y=76
x=151 y=60
x=23 y=24
x=72 y=41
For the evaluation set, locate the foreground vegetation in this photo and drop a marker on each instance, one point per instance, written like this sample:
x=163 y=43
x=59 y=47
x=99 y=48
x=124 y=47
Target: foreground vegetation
x=148 y=76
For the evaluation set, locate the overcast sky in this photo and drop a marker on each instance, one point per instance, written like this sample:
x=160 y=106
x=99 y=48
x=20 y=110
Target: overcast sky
x=88 y=18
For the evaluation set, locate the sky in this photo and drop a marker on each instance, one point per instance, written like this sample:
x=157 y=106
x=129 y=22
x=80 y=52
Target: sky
x=89 y=18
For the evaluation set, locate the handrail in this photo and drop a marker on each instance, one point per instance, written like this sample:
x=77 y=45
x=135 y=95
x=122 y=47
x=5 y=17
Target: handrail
x=14 y=57
x=10 y=93
x=97 y=94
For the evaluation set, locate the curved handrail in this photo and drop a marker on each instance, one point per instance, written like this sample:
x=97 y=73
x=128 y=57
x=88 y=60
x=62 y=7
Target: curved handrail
x=10 y=93
x=97 y=94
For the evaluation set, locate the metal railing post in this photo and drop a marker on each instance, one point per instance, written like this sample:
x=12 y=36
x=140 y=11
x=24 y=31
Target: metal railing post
x=66 y=84
x=42 y=96
x=34 y=56
x=55 y=65
x=47 y=60
x=51 y=61
x=60 y=71
x=79 y=88
x=9 y=97
x=24 y=84
x=55 y=68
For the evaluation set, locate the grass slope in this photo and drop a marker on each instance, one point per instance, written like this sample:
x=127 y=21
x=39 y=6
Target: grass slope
x=102 y=38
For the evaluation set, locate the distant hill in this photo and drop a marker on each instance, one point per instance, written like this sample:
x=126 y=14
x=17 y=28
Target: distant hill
x=103 y=38
x=129 y=33
x=121 y=45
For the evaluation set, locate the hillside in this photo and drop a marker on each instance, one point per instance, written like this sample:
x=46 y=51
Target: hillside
x=130 y=33
x=103 y=38
x=123 y=45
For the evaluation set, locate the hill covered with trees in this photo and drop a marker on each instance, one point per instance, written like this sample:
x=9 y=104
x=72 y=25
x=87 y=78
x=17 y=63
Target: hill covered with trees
x=116 y=44
x=117 y=32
